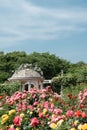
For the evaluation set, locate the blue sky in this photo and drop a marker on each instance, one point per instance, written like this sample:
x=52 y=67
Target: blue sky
x=55 y=26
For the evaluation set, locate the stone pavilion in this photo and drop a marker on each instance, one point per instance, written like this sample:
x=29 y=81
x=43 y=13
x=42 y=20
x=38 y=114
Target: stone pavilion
x=28 y=76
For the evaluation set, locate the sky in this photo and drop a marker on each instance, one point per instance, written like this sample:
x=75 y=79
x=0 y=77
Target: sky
x=55 y=26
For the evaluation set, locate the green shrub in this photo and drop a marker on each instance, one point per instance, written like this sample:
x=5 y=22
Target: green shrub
x=73 y=90
x=9 y=88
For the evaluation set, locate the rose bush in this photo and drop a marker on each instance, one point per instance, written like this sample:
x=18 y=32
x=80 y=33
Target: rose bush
x=43 y=110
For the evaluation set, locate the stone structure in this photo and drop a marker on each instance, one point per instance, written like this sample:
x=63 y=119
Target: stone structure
x=28 y=76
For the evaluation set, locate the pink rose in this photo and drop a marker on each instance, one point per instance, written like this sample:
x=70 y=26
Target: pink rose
x=30 y=107
x=34 y=122
x=40 y=115
x=17 y=120
x=69 y=113
x=46 y=104
x=36 y=103
x=57 y=111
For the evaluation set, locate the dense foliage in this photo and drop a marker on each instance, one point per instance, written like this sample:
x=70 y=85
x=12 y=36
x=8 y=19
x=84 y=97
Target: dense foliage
x=76 y=75
x=8 y=88
x=50 y=64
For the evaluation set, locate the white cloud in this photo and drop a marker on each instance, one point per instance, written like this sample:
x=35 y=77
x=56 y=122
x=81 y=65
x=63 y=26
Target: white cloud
x=22 y=20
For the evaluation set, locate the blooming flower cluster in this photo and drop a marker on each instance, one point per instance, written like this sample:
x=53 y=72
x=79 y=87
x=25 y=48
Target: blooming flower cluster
x=42 y=110
x=82 y=95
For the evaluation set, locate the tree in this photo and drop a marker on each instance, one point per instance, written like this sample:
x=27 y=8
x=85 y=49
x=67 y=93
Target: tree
x=50 y=64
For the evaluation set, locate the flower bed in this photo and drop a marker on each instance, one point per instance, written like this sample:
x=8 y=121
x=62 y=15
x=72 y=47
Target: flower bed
x=42 y=110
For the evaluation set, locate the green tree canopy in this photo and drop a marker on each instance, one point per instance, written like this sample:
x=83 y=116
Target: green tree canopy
x=50 y=64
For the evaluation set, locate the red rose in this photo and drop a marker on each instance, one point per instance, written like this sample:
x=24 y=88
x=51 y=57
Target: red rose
x=77 y=113
x=47 y=116
x=75 y=97
x=70 y=95
x=81 y=106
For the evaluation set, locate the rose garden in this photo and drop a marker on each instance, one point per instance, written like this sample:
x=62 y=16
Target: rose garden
x=43 y=110
x=62 y=105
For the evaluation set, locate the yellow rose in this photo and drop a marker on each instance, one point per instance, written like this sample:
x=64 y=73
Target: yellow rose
x=12 y=111
x=76 y=122
x=54 y=115
x=60 y=122
x=73 y=129
x=84 y=126
x=22 y=115
x=53 y=125
x=44 y=111
x=80 y=127
x=17 y=128
x=5 y=118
